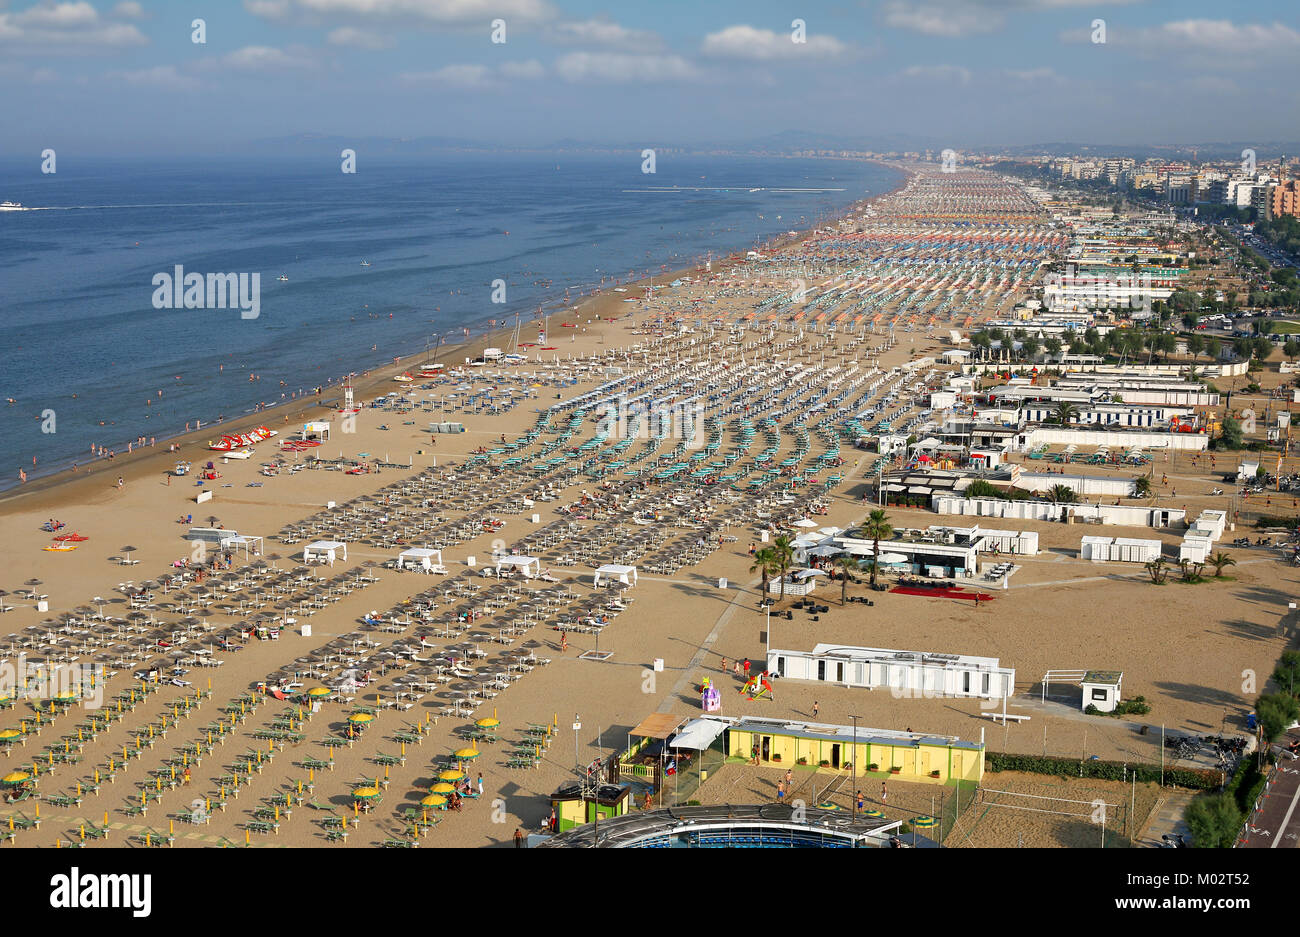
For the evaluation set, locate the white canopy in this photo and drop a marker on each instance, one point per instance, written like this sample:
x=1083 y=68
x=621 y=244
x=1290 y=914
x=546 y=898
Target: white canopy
x=698 y=734
x=805 y=573
x=252 y=546
x=617 y=573
x=419 y=556
x=530 y=567
x=806 y=522
x=325 y=551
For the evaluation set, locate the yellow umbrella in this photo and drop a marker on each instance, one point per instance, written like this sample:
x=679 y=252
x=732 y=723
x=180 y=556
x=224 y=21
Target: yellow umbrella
x=317 y=691
x=442 y=787
x=8 y=735
x=360 y=717
x=924 y=822
x=434 y=800
x=365 y=793
x=15 y=777
x=873 y=814
x=467 y=754
x=450 y=774
x=488 y=723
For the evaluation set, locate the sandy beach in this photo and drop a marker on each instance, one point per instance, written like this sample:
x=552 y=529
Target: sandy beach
x=1185 y=648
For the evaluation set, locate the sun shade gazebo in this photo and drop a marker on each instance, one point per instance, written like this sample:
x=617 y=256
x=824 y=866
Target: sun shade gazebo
x=530 y=567
x=423 y=557
x=325 y=551
x=613 y=572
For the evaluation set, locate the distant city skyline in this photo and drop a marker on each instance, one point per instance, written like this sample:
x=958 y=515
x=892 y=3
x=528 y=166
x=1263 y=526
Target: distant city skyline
x=126 y=78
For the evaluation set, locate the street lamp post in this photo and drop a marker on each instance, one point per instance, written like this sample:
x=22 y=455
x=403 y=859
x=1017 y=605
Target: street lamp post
x=854 y=765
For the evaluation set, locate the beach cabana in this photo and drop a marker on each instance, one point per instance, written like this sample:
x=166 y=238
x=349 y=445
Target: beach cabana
x=317 y=428
x=252 y=546
x=613 y=572
x=421 y=558
x=325 y=551
x=530 y=567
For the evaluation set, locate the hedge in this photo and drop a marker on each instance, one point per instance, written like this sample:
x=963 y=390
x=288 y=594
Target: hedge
x=1275 y=521
x=1196 y=779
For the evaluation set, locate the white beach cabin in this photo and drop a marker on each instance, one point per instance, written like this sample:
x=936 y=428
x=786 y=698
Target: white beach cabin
x=613 y=572
x=422 y=558
x=1101 y=688
x=529 y=567
x=324 y=551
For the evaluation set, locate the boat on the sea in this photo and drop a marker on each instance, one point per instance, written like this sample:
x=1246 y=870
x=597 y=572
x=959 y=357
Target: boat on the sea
x=365 y=263
x=283 y=278
x=12 y=206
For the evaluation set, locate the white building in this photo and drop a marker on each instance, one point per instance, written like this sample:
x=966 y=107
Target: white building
x=913 y=674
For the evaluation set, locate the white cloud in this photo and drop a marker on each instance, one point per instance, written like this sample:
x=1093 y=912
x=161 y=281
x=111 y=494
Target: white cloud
x=478 y=77
x=50 y=26
x=443 y=12
x=764 y=45
x=622 y=66
x=1220 y=36
x=1033 y=75
x=530 y=70
x=602 y=32
x=358 y=38
x=261 y=58
x=456 y=76
x=953 y=18
x=165 y=77
x=949 y=74
x=128 y=10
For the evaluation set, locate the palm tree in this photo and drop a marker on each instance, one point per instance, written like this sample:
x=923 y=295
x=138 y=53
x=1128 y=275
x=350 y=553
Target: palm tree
x=1141 y=487
x=1061 y=494
x=846 y=564
x=878 y=528
x=782 y=559
x=764 y=563
x=1066 y=412
x=1157 y=570
x=1219 y=561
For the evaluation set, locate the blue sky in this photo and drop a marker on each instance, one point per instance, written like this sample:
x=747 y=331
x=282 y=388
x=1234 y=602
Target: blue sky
x=126 y=77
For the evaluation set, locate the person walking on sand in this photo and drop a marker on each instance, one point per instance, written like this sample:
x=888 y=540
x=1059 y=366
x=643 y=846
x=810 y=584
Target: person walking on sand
x=816 y=708
x=723 y=668
x=564 y=641
x=519 y=838
x=780 y=792
x=884 y=792
x=480 y=784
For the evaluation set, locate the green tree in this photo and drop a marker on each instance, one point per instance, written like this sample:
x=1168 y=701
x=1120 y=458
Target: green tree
x=1287 y=674
x=1061 y=494
x=1029 y=347
x=764 y=563
x=1053 y=346
x=1213 y=348
x=981 y=488
x=1213 y=820
x=783 y=558
x=1219 y=561
x=878 y=528
x=846 y=565
x=1066 y=412
x=1291 y=348
x=1195 y=345
x=1276 y=711
x=1230 y=434
x=1141 y=487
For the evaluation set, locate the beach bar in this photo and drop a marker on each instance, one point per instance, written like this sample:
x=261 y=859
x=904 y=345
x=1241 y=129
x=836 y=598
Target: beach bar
x=932 y=759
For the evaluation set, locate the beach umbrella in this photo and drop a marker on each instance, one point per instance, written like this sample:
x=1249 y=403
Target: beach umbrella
x=319 y=692
x=8 y=736
x=488 y=723
x=466 y=754
x=365 y=793
x=14 y=778
x=128 y=551
x=451 y=774
x=434 y=800
x=442 y=787
x=873 y=814
x=360 y=718
x=923 y=823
